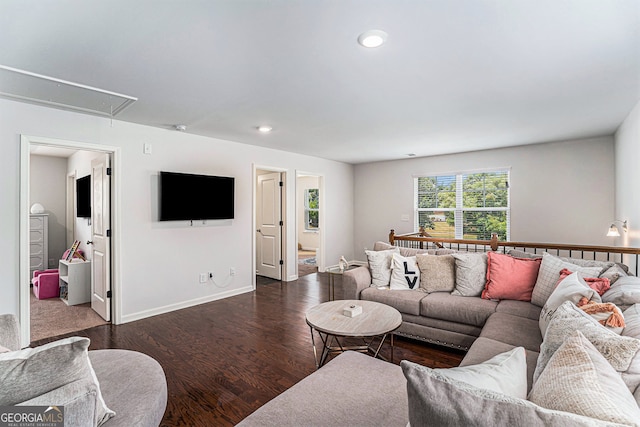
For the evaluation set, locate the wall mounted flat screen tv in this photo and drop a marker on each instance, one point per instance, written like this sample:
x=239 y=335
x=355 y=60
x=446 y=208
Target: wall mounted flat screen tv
x=83 y=197
x=195 y=197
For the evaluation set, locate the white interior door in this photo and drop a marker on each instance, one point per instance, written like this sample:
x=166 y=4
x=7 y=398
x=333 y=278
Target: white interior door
x=269 y=226
x=100 y=236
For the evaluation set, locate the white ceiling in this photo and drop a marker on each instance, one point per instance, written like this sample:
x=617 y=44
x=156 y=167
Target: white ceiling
x=454 y=75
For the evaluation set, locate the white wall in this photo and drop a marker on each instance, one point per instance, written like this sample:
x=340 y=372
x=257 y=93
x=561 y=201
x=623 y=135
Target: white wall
x=160 y=262
x=560 y=192
x=627 y=161
x=308 y=239
x=48 y=186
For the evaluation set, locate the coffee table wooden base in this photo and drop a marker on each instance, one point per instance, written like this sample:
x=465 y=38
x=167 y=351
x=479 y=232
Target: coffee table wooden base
x=331 y=344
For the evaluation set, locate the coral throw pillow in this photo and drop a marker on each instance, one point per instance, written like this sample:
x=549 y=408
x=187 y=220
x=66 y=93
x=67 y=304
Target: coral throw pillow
x=598 y=284
x=510 y=278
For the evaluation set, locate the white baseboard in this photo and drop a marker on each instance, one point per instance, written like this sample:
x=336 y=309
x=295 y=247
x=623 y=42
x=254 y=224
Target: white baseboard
x=185 y=304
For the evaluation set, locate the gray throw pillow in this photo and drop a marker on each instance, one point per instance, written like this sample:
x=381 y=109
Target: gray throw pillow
x=26 y=374
x=632 y=322
x=437 y=400
x=437 y=273
x=471 y=274
x=624 y=293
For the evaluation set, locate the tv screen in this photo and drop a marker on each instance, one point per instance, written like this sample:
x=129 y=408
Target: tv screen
x=83 y=197
x=187 y=197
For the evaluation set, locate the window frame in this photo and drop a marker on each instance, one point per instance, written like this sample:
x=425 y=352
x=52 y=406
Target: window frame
x=308 y=209
x=459 y=210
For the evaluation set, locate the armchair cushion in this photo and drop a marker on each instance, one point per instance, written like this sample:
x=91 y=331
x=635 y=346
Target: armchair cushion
x=29 y=373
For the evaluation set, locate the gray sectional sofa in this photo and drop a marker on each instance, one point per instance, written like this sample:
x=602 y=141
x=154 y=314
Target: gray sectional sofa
x=357 y=390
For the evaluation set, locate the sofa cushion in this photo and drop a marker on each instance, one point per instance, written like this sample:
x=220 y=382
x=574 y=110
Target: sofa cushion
x=403 y=301
x=437 y=400
x=485 y=348
x=383 y=246
x=380 y=266
x=471 y=274
x=578 y=379
x=513 y=330
x=437 y=273
x=352 y=389
x=519 y=308
x=550 y=273
x=405 y=273
x=445 y=306
x=26 y=374
x=510 y=278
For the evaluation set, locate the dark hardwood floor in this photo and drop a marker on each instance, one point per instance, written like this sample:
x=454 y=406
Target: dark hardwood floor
x=225 y=359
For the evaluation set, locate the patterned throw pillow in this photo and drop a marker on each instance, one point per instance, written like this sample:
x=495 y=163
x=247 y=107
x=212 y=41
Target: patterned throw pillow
x=578 y=379
x=380 y=266
x=549 y=273
x=619 y=351
x=624 y=292
x=405 y=273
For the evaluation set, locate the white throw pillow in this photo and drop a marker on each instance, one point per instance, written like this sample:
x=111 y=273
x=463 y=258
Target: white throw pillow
x=380 y=266
x=504 y=373
x=578 y=379
x=549 y=274
x=573 y=288
x=405 y=273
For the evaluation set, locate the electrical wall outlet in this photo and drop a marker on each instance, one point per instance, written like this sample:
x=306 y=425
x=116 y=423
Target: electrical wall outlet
x=203 y=277
x=232 y=271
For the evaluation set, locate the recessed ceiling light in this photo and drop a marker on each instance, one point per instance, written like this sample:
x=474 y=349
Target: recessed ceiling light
x=265 y=129
x=372 y=38
x=181 y=128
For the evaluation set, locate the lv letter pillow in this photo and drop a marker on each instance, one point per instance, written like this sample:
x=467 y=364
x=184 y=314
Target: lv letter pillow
x=405 y=274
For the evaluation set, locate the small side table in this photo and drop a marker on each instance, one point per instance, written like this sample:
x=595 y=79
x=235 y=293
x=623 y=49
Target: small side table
x=334 y=271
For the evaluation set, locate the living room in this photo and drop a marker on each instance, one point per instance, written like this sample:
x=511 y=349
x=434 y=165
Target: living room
x=567 y=184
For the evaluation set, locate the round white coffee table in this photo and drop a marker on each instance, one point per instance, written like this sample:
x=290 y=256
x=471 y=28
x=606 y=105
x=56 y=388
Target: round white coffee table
x=374 y=323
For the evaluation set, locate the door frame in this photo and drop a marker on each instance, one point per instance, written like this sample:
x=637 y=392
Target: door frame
x=285 y=215
x=26 y=142
x=320 y=262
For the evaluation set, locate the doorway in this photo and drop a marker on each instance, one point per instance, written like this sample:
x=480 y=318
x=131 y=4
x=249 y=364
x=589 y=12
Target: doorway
x=76 y=158
x=308 y=219
x=269 y=223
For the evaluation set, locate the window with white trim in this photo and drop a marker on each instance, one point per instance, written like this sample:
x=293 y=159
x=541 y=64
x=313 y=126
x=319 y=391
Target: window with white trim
x=464 y=206
x=311 y=209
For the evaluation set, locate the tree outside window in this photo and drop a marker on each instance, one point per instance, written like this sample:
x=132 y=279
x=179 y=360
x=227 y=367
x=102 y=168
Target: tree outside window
x=464 y=206
x=311 y=209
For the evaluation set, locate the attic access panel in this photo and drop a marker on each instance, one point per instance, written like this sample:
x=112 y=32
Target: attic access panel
x=40 y=89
